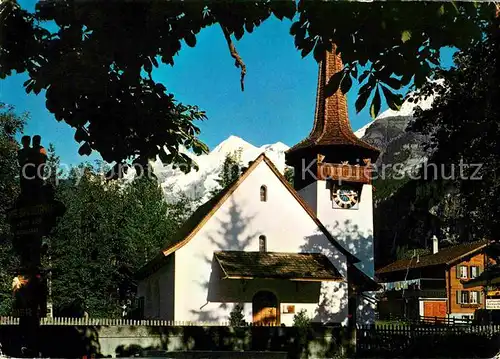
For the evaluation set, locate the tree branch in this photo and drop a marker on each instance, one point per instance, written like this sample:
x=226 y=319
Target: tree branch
x=238 y=61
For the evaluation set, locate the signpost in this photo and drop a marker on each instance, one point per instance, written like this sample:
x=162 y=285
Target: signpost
x=32 y=217
x=493 y=304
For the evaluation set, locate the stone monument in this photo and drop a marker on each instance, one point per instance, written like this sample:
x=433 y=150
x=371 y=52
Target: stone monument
x=33 y=216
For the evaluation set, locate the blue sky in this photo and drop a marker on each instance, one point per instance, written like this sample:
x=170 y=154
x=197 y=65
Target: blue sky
x=277 y=104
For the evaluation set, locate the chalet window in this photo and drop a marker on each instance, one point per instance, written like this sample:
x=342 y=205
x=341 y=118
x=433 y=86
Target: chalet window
x=474 y=297
x=462 y=297
x=474 y=271
x=262 y=244
x=462 y=272
x=263 y=193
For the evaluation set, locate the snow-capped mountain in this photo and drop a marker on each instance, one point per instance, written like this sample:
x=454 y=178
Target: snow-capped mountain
x=387 y=132
x=361 y=132
x=198 y=184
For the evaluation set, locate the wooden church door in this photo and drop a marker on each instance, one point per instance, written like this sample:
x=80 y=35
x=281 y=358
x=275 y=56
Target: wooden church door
x=265 y=309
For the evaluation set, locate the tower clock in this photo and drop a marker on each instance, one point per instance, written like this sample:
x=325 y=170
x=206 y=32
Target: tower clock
x=345 y=197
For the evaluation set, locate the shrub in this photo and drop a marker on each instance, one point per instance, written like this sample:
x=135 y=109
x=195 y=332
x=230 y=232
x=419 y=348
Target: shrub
x=236 y=317
x=301 y=319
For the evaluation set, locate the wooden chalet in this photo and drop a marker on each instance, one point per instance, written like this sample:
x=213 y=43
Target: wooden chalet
x=434 y=285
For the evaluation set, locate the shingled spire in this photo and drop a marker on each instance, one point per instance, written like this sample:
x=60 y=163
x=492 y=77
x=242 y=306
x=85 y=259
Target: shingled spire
x=332 y=135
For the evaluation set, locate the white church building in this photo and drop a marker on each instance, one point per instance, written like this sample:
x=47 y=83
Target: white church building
x=273 y=249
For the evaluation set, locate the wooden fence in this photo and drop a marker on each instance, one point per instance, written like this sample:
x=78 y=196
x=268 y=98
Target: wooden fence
x=432 y=321
x=445 y=321
x=111 y=322
x=121 y=322
x=393 y=340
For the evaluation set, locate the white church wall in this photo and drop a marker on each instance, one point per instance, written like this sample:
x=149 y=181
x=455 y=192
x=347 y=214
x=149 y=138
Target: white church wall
x=331 y=308
x=237 y=225
x=299 y=294
x=158 y=291
x=352 y=228
x=310 y=196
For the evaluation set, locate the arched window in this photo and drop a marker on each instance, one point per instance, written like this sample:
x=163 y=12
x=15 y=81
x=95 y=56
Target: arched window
x=263 y=193
x=262 y=244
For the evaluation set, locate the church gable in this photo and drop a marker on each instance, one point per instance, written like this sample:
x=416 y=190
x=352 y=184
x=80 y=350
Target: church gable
x=260 y=214
x=260 y=211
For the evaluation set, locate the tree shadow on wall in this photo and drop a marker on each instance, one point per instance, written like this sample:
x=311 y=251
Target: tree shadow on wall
x=354 y=241
x=226 y=339
x=190 y=338
x=330 y=308
x=229 y=237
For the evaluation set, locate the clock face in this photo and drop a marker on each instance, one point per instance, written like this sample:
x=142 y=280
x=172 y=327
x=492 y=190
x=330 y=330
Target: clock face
x=345 y=197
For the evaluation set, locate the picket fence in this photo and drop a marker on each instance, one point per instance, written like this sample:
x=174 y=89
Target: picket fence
x=426 y=329
x=405 y=339
x=110 y=322
x=445 y=321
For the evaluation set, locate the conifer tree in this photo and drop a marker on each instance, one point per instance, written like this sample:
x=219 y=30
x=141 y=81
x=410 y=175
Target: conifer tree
x=230 y=172
x=289 y=175
x=11 y=124
x=110 y=229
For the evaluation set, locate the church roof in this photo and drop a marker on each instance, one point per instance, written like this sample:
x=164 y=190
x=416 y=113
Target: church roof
x=331 y=121
x=445 y=256
x=196 y=221
x=360 y=281
x=274 y=265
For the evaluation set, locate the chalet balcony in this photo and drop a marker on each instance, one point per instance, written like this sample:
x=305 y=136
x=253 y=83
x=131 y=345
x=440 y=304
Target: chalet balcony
x=422 y=285
x=414 y=293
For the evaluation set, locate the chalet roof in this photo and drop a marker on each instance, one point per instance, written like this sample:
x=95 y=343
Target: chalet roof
x=331 y=121
x=273 y=265
x=196 y=221
x=445 y=256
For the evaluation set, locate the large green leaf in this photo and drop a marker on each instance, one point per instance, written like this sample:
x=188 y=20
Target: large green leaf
x=405 y=36
x=394 y=101
x=364 y=94
x=334 y=83
x=375 y=106
x=190 y=39
x=346 y=83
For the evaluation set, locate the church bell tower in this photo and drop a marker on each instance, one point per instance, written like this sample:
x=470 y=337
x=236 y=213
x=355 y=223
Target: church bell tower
x=332 y=170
